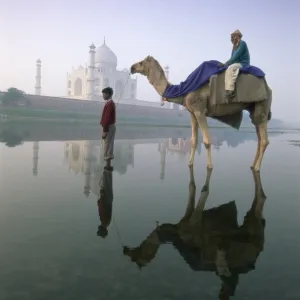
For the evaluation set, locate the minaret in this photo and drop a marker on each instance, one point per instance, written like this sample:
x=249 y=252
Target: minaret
x=66 y=153
x=162 y=148
x=91 y=70
x=167 y=69
x=38 y=87
x=87 y=167
x=35 y=158
x=167 y=72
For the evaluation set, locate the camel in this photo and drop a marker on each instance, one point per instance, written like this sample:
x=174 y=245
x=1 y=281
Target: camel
x=211 y=240
x=196 y=103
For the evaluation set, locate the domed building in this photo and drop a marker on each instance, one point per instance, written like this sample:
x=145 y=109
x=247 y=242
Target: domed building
x=87 y=82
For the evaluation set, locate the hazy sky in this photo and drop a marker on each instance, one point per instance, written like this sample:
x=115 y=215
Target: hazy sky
x=181 y=34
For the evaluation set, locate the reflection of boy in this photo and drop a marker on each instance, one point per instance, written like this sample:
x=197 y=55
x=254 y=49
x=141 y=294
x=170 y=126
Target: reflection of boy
x=105 y=202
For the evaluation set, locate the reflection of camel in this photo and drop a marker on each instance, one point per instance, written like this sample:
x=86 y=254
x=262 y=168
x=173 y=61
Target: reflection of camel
x=196 y=103
x=211 y=240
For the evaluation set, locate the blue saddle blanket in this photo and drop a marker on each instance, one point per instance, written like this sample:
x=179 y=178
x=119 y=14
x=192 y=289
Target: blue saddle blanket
x=201 y=75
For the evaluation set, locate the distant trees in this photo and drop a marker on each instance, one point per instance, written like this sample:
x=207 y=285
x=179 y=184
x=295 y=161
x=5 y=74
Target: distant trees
x=11 y=138
x=14 y=97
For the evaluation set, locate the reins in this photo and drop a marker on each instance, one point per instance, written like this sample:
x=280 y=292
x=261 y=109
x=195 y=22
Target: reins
x=123 y=89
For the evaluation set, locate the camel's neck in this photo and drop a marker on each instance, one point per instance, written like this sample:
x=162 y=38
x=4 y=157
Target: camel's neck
x=148 y=248
x=177 y=100
x=158 y=79
x=164 y=233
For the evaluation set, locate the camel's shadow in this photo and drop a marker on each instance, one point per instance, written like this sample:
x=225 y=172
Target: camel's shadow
x=211 y=240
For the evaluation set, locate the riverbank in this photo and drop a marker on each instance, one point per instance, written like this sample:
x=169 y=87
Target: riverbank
x=36 y=130
x=16 y=133
x=26 y=115
x=64 y=117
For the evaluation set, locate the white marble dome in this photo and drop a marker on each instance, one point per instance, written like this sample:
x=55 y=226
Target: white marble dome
x=105 y=55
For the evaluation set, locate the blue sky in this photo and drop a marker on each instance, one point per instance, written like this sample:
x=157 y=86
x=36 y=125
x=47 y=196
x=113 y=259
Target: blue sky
x=181 y=34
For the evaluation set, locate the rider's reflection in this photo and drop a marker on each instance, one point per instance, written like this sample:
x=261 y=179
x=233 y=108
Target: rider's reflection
x=105 y=202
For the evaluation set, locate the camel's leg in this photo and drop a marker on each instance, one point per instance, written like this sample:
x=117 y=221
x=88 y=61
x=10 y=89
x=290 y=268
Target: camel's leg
x=264 y=142
x=260 y=197
x=192 y=193
x=254 y=223
x=204 y=192
x=198 y=212
x=194 y=139
x=202 y=121
x=258 y=147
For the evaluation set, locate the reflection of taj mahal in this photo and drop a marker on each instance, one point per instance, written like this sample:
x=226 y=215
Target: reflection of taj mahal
x=174 y=146
x=86 y=157
x=181 y=146
x=35 y=158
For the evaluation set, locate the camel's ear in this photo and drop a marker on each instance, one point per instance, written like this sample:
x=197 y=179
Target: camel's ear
x=148 y=58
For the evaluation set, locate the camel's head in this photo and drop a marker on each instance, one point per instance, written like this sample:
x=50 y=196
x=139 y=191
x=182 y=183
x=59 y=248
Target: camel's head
x=143 y=66
x=135 y=254
x=146 y=251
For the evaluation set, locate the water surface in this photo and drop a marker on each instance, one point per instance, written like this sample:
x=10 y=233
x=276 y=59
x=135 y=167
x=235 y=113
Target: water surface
x=49 y=221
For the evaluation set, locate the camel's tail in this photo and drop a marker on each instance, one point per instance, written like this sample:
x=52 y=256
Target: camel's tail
x=269 y=115
x=270 y=103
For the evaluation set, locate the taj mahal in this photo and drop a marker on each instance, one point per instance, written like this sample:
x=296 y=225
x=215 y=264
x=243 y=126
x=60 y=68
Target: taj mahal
x=87 y=82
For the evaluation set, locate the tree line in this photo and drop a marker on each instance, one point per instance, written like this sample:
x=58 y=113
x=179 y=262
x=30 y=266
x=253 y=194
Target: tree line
x=14 y=97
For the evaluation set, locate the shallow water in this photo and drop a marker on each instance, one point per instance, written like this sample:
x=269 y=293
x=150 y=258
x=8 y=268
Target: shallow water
x=49 y=221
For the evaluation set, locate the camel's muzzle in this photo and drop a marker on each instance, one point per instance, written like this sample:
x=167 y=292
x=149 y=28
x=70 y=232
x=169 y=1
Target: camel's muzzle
x=132 y=70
